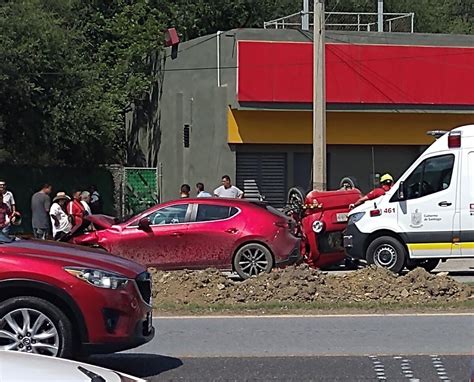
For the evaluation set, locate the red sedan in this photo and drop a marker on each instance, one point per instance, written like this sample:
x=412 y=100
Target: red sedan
x=231 y=234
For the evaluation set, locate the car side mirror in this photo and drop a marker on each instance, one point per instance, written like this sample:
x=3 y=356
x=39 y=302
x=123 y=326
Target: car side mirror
x=144 y=224
x=401 y=191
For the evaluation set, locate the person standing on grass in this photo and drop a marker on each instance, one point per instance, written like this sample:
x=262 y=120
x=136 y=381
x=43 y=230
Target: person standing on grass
x=227 y=190
x=59 y=218
x=40 y=206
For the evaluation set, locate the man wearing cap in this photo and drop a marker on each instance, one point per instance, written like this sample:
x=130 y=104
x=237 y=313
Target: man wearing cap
x=59 y=219
x=386 y=182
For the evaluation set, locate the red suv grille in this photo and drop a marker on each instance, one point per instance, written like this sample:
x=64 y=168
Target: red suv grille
x=144 y=286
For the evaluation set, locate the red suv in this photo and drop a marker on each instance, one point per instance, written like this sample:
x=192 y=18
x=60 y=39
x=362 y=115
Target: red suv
x=63 y=300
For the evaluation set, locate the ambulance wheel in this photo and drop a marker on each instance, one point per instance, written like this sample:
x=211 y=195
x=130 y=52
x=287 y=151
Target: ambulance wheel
x=387 y=252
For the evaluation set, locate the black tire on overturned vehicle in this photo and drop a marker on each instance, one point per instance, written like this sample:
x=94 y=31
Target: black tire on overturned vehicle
x=252 y=259
x=387 y=252
x=40 y=328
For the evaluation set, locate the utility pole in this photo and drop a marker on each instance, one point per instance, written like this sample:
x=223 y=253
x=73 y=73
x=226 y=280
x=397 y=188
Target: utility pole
x=380 y=15
x=319 y=98
x=305 y=16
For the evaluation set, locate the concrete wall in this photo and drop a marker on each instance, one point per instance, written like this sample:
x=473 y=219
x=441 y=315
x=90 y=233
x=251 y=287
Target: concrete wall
x=191 y=96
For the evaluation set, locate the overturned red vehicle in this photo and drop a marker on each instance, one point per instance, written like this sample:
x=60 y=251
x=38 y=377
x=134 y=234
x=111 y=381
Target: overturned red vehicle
x=321 y=217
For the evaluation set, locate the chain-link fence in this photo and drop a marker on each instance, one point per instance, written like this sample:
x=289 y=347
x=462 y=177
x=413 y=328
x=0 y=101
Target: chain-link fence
x=140 y=189
x=350 y=21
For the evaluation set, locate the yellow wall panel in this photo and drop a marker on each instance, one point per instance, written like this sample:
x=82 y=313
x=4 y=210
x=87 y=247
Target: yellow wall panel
x=343 y=128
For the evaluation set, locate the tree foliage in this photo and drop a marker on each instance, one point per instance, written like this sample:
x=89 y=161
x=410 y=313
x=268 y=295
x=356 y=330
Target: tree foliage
x=70 y=69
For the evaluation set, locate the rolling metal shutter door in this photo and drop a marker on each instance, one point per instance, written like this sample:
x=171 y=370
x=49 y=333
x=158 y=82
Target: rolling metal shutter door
x=264 y=174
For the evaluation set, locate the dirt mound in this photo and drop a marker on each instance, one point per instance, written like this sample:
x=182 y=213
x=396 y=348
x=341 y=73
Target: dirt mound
x=303 y=284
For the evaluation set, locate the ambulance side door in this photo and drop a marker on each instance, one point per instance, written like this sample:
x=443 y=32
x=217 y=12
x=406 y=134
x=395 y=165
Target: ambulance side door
x=466 y=233
x=427 y=212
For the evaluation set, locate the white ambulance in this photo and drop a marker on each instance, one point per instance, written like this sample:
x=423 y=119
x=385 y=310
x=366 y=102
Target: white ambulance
x=427 y=216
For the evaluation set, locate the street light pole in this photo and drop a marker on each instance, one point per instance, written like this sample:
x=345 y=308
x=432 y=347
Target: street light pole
x=319 y=98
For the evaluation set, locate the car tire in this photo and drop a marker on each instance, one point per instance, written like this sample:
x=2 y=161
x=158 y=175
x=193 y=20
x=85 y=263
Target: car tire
x=387 y=252
x=252 y=259
x=427 y=264
x=49 y=331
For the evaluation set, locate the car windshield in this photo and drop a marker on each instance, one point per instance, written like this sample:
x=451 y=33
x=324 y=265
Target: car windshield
x=5 y=239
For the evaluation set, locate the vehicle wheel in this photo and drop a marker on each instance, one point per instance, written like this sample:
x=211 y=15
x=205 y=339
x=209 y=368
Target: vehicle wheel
x=348 y=182
x=296 y=196
x=387 y=252
x=427 y=264
x=33 y=325
x=253 y=259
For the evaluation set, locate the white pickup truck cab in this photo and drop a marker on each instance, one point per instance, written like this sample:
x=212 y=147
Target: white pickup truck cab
x=427 y=216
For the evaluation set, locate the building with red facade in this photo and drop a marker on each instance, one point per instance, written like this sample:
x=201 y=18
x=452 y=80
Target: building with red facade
x=246 y=96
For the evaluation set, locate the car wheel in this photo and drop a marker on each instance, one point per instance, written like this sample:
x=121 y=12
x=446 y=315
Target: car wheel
x=427 y=264
x=387 y=252
x=33 y=325
x=252 y=259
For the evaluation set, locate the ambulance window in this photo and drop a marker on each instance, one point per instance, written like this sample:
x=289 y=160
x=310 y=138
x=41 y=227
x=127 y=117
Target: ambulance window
x=431 y=176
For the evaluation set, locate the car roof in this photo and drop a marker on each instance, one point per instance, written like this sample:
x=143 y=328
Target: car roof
x=213 y=200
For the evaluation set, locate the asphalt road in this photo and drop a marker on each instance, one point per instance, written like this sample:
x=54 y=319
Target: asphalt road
x=309 y=348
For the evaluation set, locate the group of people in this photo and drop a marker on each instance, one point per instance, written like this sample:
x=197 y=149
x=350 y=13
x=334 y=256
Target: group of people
x=65 y=214
x=226 y=190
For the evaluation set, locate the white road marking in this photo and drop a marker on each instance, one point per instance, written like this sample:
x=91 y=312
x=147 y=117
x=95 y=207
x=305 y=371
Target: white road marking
x=378 y=367
x=439 y=367
x=313 y=316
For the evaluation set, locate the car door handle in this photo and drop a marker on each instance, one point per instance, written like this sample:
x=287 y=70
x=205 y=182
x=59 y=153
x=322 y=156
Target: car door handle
x=232 y=230
x=444 y=204
x=176 y=234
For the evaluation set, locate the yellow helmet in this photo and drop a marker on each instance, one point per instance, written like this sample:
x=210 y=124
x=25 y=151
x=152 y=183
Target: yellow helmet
x=386 y=178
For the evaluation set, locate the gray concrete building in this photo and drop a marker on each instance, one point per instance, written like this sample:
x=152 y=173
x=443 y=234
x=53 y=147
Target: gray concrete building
x=246 y=97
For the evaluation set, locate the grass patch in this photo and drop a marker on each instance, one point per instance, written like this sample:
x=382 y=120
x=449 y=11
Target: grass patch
x=276 y=307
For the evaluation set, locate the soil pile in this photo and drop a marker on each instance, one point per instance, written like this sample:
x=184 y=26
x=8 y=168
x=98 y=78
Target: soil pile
x=302 y=284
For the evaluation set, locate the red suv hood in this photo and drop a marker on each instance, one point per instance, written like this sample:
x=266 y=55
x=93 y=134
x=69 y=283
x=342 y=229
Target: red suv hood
x=73 y=255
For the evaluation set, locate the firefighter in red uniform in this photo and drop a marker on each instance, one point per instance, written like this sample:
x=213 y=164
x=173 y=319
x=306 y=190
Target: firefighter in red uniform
x=386 y=182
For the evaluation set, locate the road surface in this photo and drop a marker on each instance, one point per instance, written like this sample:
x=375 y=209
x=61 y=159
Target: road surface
x=304 y=348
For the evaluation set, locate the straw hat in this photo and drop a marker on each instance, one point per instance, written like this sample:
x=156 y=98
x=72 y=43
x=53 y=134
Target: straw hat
x=61 y=196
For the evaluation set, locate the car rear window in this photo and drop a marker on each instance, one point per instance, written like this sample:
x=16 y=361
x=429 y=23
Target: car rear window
x=209 y=212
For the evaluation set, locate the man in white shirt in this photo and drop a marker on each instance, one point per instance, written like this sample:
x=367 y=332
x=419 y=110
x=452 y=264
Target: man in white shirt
x=201 y=193
x=9 y=200
x=227 y=190
x=59 y=219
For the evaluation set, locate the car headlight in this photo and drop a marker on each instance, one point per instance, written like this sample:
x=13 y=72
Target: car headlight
x=354 y=218
x=318 y=226
x=99 y=278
